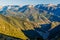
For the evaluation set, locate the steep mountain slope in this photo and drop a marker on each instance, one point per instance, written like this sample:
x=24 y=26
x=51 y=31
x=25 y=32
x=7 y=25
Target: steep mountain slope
x=8 y=29
x=12 y=25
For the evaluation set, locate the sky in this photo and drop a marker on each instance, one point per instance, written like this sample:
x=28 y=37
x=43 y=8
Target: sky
x=26 y=2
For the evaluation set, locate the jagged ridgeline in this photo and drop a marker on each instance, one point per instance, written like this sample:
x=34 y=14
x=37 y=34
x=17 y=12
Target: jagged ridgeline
x=29 y=22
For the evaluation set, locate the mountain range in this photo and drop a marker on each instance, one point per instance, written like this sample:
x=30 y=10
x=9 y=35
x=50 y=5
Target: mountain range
x=39 y=22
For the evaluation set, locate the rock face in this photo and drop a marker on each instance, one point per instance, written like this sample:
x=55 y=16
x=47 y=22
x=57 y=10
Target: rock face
x=29 y=22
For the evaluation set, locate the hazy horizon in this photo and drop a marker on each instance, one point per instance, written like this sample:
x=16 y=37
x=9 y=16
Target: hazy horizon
x=28 y=2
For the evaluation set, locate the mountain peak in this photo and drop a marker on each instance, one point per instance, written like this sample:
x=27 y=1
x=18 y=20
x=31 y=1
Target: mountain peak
x=30 y=6
x=51 y=5
x=1 y=7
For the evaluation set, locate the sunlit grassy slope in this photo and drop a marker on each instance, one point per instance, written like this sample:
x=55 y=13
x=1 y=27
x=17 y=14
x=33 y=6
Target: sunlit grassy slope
x=12 y=26
x=7 y=28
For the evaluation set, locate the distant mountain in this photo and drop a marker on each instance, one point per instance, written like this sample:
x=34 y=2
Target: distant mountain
x=49 y=8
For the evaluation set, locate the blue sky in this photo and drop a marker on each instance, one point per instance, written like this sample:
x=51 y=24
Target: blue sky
x=25 y=2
